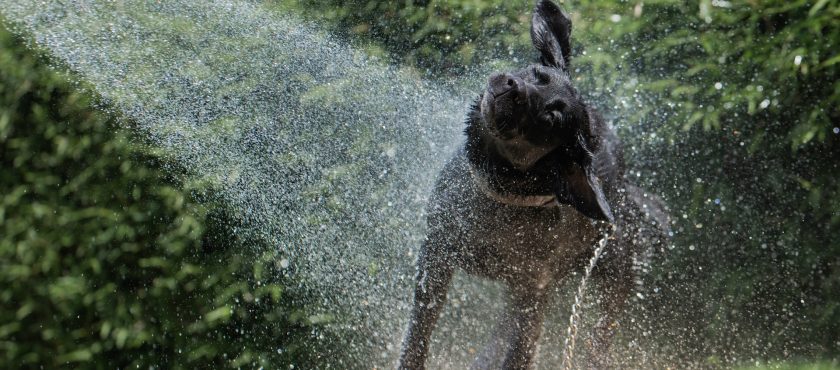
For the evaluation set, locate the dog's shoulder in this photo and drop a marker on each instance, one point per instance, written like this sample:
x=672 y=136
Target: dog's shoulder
x=454 y=186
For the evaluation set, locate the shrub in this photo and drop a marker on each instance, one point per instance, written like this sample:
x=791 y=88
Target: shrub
x=106 y=261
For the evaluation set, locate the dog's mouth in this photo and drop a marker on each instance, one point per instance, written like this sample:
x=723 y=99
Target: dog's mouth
x=499 y=95
x=502 y=111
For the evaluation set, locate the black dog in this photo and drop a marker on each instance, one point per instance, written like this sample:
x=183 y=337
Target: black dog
x=524 y=200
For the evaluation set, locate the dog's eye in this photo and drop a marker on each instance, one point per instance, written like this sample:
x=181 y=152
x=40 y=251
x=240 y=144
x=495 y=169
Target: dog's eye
x=554 y=111
x=556 y=106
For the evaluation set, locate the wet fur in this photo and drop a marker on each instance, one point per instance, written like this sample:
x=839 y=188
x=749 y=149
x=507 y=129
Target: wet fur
x=531 y=248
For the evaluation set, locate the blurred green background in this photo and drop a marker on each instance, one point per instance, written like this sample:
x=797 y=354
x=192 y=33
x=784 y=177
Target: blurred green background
x=109 y=259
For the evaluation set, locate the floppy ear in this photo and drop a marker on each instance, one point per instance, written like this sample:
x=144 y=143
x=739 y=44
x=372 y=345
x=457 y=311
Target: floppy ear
x=550 y=30
x=579 y=187
x=578 y=183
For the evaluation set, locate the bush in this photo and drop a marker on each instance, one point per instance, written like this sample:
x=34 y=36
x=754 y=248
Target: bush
x=108 y=262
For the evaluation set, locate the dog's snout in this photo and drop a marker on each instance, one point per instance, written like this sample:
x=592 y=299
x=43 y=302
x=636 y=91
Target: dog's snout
x=513 y=82
x=503 y=83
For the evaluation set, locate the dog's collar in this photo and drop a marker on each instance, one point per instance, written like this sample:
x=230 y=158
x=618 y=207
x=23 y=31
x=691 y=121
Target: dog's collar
x=512 y=199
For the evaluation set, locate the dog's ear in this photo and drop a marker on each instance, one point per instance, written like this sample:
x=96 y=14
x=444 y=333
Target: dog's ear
x=550 y=30
x=577 y=182
x=579 y=187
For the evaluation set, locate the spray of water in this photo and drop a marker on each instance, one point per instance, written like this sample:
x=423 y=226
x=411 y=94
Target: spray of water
x=318 y=149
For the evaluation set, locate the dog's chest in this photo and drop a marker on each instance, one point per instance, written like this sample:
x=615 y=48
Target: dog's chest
x=508 y=241
x=504 y=241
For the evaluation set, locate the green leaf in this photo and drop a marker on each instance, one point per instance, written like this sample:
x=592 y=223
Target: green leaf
x=219 y=314
x=817 y=7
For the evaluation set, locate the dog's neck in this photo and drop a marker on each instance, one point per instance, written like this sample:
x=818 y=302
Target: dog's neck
x=531 y=175
x=485 y=187
x=516 y=152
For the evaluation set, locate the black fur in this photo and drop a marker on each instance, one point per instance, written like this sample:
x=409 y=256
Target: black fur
x=533 y=188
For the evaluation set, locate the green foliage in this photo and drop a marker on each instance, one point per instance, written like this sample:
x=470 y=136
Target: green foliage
x=429 y=34
x=743 y=100
x=679 y=50
x=106 y=262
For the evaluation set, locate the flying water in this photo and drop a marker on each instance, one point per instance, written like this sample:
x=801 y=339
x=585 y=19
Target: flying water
x=317 y=148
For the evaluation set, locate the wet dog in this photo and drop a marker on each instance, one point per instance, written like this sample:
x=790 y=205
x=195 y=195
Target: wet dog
x=536 y=184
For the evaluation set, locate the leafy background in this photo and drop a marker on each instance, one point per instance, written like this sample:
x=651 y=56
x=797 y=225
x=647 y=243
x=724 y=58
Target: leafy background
x=731 y=108
x=107 y=261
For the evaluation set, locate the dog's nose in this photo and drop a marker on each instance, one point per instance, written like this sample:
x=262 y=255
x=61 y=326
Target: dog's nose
x=503 y=83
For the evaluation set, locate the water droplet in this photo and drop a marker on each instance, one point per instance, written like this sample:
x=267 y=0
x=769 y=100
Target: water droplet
x=764 y=103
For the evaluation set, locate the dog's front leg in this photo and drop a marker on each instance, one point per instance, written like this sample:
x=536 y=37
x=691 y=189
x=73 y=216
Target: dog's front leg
x=434 y=272
x=526 y=311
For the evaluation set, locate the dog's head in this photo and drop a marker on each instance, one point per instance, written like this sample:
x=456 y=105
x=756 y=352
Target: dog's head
x=536 y=112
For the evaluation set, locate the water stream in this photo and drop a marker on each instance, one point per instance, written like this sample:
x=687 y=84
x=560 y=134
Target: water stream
x=316 y=148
